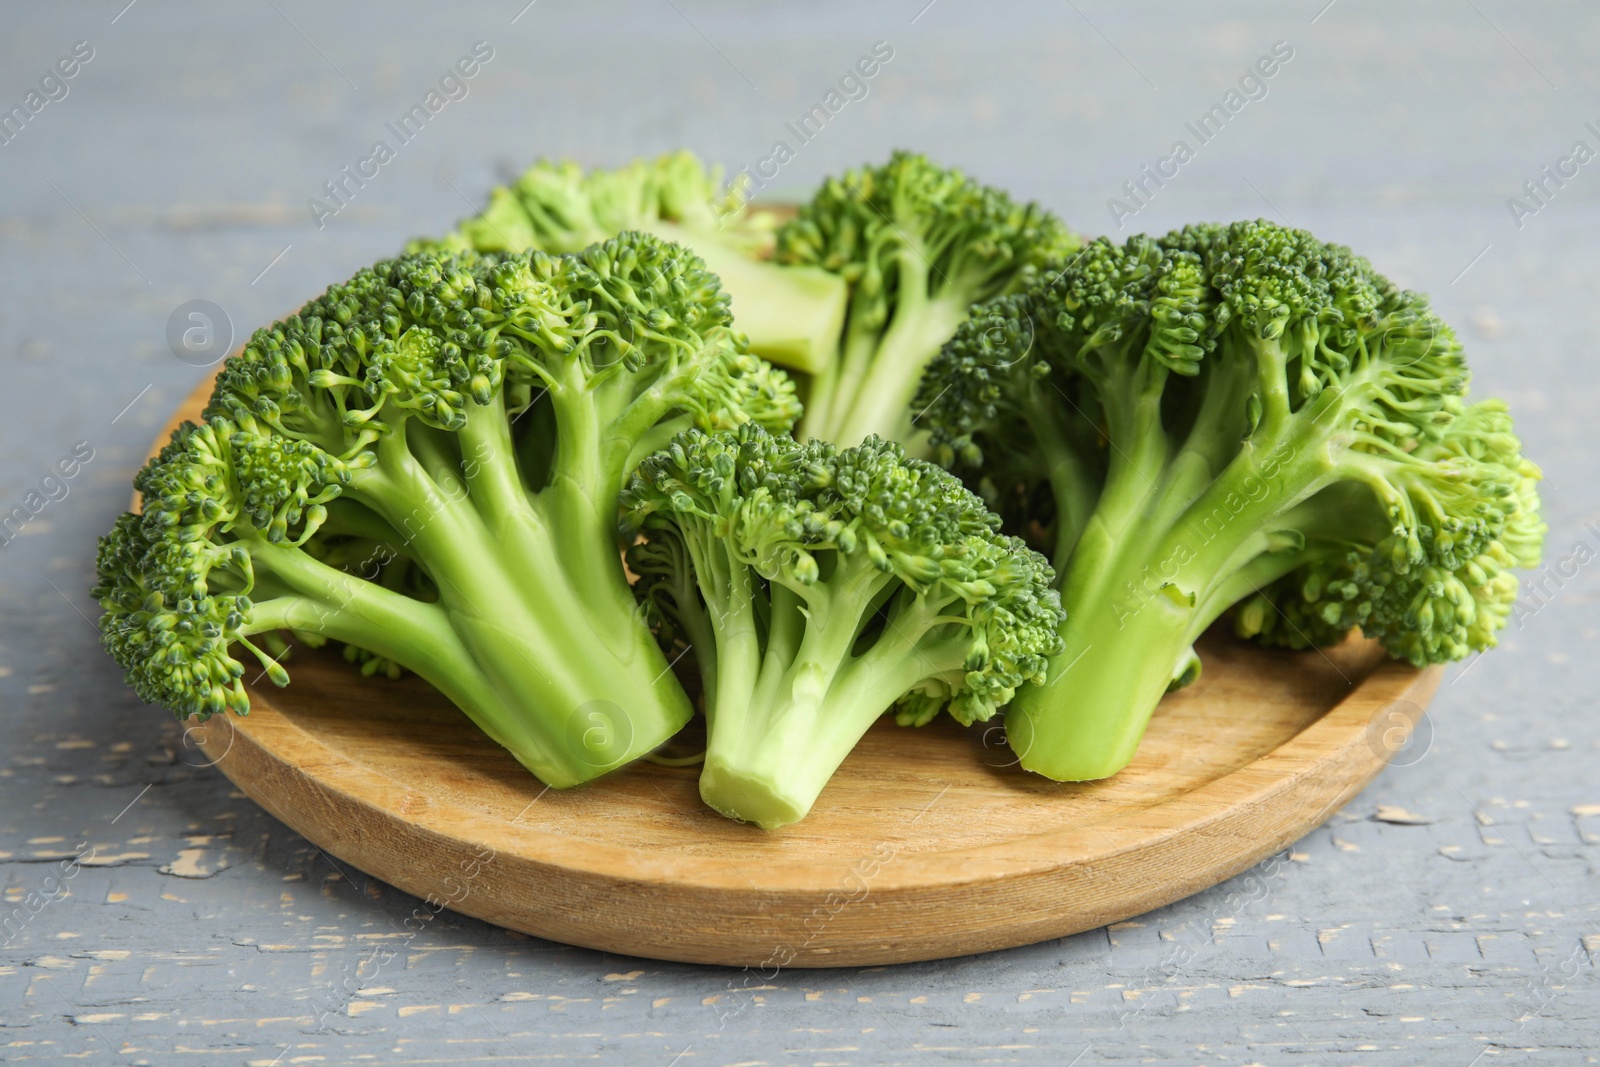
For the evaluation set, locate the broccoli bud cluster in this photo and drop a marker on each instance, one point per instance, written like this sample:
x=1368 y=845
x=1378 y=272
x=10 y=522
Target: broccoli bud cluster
x=819 y=586
x=1230 y=418
x=478 y=460
x=423 y=464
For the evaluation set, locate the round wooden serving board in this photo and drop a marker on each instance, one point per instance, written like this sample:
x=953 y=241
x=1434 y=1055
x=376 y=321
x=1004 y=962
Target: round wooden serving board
x=927 y=843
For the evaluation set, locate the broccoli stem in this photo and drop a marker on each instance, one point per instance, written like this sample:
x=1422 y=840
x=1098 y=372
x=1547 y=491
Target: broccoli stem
x=785 y=716
x=340 y=606
x=1169 y=548
x=881 y=373
x=1131 y=398
x=1086 y=721
x=1071 y=484
x=793 y=316
x=534 y=595
x=882 y=405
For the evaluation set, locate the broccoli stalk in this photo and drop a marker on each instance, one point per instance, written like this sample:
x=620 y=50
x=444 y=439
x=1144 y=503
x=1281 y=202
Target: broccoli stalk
x=818 y=588
x=1282 y=427
x=365 y=474
x=792 y=315
x=919 y=245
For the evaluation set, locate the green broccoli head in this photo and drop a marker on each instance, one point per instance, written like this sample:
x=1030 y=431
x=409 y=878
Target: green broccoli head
x=819 y=587
x=1441 y=584
x=1231 y=415
x=918 y=244
x=558 y=206
x=911 y=222
x=164 y=626
x=424 y=464
x=792 y=315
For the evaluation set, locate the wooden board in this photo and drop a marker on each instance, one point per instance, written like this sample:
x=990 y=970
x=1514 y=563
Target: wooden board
x=928 y=843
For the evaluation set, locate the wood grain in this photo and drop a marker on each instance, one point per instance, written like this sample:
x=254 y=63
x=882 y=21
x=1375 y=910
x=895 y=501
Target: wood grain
x=927 y=844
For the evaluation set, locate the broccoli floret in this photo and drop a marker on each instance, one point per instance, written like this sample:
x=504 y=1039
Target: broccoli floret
x=819 y=587
x=424 y=463
x=1231 y=416
x=792 y=315
x=919 y=244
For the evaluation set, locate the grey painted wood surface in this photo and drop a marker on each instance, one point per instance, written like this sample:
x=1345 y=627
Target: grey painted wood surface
x=1448 y=916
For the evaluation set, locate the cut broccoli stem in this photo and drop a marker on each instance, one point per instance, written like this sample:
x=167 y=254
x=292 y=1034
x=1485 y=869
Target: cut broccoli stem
x=1145 y=582
x=792 y=315
x=1093 y=732
x=805 y=692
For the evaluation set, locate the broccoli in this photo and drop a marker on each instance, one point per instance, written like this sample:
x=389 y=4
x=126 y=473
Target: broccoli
x=424 y=463
x=1230 y=416
x=919 y=245
x=792 y=315
x=818 y=587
